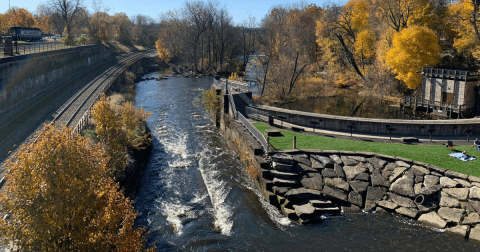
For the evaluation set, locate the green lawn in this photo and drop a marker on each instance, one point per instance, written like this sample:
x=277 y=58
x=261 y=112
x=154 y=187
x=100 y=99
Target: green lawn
x=431 y=154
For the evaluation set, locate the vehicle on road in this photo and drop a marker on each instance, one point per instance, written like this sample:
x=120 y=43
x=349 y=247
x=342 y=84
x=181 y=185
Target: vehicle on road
x=19 y=33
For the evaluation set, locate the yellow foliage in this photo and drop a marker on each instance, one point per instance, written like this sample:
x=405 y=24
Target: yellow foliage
x=358 y=14
x=234 y=76
x=413 y=48
x=60 y=198
x=163 y=52
x=462 y=16
x=365 y=45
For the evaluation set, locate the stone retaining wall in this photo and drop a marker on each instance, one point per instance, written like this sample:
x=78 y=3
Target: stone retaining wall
x=312 y=183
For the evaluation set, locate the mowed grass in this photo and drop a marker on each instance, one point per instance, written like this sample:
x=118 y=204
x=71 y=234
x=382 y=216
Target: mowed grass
x=431 y=154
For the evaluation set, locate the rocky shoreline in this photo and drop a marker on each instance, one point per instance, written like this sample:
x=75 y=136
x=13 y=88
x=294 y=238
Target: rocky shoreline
x=309 y=185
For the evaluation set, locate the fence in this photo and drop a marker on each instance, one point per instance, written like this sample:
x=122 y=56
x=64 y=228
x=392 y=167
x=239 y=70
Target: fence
x=238 y=86
x=255 y=132
x=42 y=47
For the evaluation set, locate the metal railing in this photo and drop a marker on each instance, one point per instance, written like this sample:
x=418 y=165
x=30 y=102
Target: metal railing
x=450 y=74
x=420 y=101
x=41 y=47
x=246 y=99
x=258 y=115
x=232 y=103
x=255 y=132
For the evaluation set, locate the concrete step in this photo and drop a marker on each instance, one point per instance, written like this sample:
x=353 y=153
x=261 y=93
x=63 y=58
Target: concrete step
x=283 y=167
x=284 y=174
x=320 y=203
x=327 y=210
x=285 y=182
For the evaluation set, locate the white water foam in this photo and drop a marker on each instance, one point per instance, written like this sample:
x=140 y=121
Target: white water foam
x=218 y=191
x=177 y=214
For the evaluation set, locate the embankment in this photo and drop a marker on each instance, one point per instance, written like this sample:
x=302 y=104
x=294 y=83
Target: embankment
x=308 y=185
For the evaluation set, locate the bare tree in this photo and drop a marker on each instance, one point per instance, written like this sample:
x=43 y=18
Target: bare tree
x=67 y=12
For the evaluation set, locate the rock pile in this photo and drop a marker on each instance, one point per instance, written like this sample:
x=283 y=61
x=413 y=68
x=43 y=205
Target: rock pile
x=310 y=184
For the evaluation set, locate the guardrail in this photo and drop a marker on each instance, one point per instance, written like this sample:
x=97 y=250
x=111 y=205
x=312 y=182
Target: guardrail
x=255 y=132
x=41 y=47
x=238 y=86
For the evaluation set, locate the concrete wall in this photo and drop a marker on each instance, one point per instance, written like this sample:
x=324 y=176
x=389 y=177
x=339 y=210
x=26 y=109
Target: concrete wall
x=25 y=79
x=376 y=126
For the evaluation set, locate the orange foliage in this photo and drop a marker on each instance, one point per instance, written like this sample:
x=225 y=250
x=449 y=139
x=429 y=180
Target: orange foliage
x=60 y=197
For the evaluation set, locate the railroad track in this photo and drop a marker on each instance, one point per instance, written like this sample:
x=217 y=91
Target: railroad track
x=74 y=109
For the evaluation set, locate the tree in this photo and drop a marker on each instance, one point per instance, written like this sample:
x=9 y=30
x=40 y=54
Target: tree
x=163 y=52
x=67 y=12
x=60 y=198
x=413 y=48
x=464 y=16
x=20 y=17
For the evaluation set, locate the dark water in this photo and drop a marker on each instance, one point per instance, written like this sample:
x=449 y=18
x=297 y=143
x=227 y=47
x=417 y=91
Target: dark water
x=354 y=105
x=196 y=196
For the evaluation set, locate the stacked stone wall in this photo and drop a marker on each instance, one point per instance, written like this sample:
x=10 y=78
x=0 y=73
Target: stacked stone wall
x=310 y=184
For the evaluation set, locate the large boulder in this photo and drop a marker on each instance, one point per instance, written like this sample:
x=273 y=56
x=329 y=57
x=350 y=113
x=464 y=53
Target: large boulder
x=475 y=233
x=338 y=183
x=401 y=201
x=448 y=182
x=379 y=180
x=359 y=186
x=432 y=219
x=374 y=194
x=460 y=230
x=474 y=193
x=430 y=180
x=448 y=201
x=355 y=198
x=352 y=171
x=404 y=185
x=458 y=193
x=334 y=193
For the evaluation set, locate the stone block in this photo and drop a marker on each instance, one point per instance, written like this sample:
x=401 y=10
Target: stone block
x=448 y=201
x=348 y=162
x=430 y=180
x=420 y=170
x=451 y=214
x=374 y=194
x=474 y=193
x=363 y=177
x=283 y=158
x=334 y=194
x=460 y=230
x=306 y=212
x=329 y=173
x=284 y=174
x=316 y=164
x=357 y=158
x=387 y=171
x=302 y=168
x=472 y=218
x=432 y=219
x=475 y=234
x=473 y=179
x=351 y=209
x=379 y=180
x=285 y=182
x=463 y=182
x=339 y=170
x=458 y=193
x=418 y=179
x=475 y=204
x=336 y=159
x=377 y=163
x=338 y=183
x=387 y=204
x=396 y=173
x=291 y=214
x=409 y=212
x=355 y=198
x=403 y=163
x=303 y=159
x=453 y=174
x=321 y=203
x=401 y=201
x=359 y=186
x=404 y=185
x=312 y=183
x=326 y=161
x=283 y=167
x=280 y=190
x=302 y=194
x=352 y=171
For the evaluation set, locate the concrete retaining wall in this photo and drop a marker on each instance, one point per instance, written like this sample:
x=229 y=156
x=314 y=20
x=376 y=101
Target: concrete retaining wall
x=376 y=126
x=25 y=79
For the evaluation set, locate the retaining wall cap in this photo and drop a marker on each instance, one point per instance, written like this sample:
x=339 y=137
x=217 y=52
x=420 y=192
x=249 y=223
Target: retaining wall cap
x=437 y=169
x=420 y=164
x=312 y=151
x=406 y=160
x=292 y=151
x=473 y=179
x=456 y=175
x=385 y=156
x=369 y=154
x=330 y=152
x=346 y=152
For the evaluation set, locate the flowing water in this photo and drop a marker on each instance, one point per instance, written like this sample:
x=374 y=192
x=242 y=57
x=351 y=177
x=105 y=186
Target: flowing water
x=196 y=196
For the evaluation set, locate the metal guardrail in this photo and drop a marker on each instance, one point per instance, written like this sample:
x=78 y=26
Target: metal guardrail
x=255 y=132
x=21 y=49
x=451 y=74
x=419 y=101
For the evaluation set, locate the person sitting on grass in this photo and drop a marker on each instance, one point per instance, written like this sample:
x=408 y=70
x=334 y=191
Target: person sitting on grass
x=464 y=152
x=476 y=144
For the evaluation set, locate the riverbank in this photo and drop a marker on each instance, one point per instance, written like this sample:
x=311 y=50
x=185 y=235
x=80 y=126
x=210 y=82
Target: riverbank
x=308 y=185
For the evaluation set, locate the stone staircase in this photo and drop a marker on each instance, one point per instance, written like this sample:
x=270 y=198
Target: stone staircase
x=298 y=203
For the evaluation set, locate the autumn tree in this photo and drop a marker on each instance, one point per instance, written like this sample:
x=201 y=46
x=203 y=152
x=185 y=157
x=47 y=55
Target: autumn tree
x=59 y=197
x=20 y=17
x=465 y=18
x=67 y=15
x=162 y=50
x=413 y=48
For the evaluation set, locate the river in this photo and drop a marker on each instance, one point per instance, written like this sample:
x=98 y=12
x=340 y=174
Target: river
x=196 y=196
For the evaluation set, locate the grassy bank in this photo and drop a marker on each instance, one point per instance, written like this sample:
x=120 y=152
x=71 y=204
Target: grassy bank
x=431 y=154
